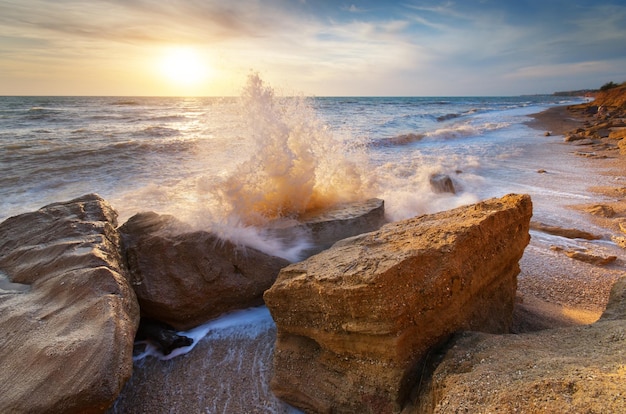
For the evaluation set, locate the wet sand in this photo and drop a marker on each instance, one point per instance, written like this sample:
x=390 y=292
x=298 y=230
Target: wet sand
x=557 y=290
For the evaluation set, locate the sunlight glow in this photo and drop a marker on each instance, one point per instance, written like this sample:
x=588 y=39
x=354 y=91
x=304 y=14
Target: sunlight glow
x=184 y=66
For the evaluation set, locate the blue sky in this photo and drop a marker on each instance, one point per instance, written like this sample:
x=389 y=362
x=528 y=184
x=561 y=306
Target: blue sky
x=321 y=48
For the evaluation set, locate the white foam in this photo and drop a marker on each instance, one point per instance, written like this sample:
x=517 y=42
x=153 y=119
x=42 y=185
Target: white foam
x=247 y=323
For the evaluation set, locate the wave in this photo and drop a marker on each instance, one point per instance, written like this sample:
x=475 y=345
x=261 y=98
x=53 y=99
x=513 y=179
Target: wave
x=169 y=118
x=465 y=130
x=296 y=165
x=403 y=139
x=138 y=148
x=125 y=102
x=158 y=131
x=447 y=117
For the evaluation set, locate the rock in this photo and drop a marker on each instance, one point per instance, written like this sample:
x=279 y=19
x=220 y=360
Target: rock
x=620 y=241
x=442 y=183
x=165 y=338
x=185 y=279
x=326 y=226
x=355 y=321
x=585 y=142
x=563 y=232
x=542 y=171
x=547 y=134
x=68 y=314
x=566 y=370
x=573 y=137
x=590 y=258
x=617 y=133
x=601 y=210
x=621 y=144
x=603 y=133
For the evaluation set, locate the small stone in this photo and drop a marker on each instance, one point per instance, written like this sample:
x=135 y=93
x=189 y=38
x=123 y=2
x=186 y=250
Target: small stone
x=620 y=241
x=601 y=210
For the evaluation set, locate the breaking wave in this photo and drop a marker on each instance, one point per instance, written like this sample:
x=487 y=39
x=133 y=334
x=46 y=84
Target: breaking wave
x=296 y=164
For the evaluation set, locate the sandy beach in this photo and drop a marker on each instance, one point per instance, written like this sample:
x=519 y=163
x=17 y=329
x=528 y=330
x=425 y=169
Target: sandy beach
x=553 y=288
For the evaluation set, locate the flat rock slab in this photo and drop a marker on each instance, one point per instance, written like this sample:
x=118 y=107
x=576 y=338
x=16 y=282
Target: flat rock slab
x=355 y=321
x=68 y=315
x=328 y=225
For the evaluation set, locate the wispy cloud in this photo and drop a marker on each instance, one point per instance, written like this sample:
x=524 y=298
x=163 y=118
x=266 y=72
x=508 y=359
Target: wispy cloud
x=323 y=42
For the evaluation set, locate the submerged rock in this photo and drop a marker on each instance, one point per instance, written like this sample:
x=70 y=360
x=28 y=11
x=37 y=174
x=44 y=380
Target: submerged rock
x=163 y=336
x=185 y=279
x=355 y=321
x=442 y=183
x=68 y=314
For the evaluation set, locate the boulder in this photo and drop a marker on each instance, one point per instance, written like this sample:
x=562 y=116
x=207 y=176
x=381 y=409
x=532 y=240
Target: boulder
x=68 y=314
x=442 y=183
x=185 y=279
x=567 y=370
x=355 y=321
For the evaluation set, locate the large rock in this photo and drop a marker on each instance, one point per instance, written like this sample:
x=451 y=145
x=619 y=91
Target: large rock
x=185 y=279
x=67 y=312
x=355 y=321
x=568 y=370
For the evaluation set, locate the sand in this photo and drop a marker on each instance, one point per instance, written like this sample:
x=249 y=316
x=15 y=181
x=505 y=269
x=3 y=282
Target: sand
x=557 y=290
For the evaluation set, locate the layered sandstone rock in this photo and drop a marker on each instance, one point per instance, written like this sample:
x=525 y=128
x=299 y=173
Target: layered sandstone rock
x=355 y=321
x=185 y=279
x=568 y=370
x=67 y=312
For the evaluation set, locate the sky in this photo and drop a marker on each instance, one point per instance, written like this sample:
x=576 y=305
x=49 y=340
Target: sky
x=309 y=47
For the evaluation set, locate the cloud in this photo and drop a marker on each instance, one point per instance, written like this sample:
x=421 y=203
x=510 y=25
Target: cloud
x=323 y=42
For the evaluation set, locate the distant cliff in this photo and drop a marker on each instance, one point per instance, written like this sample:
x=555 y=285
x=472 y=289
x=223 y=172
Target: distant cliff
x=614 y=97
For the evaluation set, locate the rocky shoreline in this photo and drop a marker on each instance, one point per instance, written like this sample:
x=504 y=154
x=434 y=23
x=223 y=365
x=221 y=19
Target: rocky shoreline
x=580 y=288
x=346 y=316
x=567 y=356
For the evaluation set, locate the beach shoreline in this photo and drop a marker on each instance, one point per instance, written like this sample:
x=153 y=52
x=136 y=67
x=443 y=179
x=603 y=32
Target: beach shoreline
x=555 y=290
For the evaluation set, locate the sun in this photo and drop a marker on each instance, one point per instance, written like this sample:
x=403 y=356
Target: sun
x=184 y=66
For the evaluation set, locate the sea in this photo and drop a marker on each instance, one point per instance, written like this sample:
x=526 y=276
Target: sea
x=233 y=165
